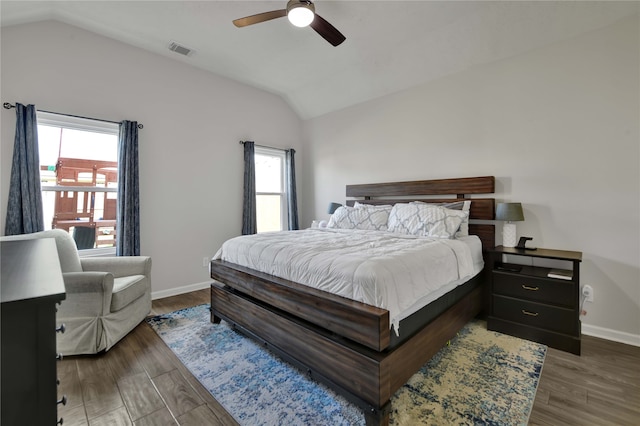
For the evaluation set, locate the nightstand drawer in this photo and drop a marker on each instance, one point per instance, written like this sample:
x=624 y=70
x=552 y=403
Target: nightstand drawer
x=558 y=319
x=555 y=292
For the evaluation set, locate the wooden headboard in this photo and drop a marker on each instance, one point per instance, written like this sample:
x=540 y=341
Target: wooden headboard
x=458 y=189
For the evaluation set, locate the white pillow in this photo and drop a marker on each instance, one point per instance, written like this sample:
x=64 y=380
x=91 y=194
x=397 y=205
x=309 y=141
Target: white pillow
x=445 y=223
x=427 y=220
x=456 y=205
x=406 y=219
x=346 y=217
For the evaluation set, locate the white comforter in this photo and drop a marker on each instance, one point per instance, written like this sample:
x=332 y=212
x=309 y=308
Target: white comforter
x=396 y=272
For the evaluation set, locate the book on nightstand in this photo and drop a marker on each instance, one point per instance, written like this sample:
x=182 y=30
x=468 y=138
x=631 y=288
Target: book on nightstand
x=563 y=274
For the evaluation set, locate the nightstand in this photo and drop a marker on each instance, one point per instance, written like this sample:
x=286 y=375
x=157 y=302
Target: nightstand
x=526 y=302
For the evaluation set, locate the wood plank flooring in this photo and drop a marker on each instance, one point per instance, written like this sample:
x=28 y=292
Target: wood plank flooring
x=600 y=387
x=138 y=382
x=141 y=382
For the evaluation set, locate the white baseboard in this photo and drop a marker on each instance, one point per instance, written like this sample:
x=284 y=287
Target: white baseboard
x=608 y=334
x=179 y=290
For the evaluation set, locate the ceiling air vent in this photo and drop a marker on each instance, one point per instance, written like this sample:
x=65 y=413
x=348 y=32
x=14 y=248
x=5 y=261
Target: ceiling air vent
x=175 y=47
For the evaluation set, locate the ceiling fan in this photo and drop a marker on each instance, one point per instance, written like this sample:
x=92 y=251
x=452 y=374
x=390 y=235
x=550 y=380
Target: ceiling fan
x=301 y=13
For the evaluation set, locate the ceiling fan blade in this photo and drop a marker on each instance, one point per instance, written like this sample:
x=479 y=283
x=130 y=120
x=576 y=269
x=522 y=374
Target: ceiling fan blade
x=327 y=31
x=260 y=17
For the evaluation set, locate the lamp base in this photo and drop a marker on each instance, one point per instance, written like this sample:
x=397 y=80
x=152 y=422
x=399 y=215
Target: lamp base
x=509 y=234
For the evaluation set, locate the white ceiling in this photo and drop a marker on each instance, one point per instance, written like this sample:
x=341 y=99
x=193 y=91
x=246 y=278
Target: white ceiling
x=391 y=45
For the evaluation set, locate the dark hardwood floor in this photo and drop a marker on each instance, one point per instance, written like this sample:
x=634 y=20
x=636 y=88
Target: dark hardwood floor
x=600 y=387
x=141 y=382
x=138 y=382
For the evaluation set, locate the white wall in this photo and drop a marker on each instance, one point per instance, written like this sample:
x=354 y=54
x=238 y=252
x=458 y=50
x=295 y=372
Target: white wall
x=190 y=160
x=558 y=128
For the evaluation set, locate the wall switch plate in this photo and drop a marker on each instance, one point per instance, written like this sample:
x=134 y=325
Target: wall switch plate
x=205 y=261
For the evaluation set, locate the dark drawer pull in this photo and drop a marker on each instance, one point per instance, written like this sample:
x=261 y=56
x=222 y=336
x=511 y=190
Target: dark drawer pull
x=61 y=329
x=531 y=314
x=526 y=287
x=60 y=421
x=63 y=400
x=59 y=357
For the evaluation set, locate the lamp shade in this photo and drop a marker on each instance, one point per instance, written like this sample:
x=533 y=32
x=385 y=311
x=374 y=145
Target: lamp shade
x=333 y=207
x=509 y=212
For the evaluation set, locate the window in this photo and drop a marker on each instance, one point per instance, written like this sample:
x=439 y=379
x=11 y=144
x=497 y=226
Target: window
x=271 y=200
x=78 y=173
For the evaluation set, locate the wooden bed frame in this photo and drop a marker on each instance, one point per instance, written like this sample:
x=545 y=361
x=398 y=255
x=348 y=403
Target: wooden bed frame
x=340 y=342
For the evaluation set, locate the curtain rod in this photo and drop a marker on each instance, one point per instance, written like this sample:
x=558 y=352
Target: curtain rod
x=263 y=146
x=7 y=105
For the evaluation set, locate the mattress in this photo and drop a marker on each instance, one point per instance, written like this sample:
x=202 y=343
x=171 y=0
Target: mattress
x=399 y=273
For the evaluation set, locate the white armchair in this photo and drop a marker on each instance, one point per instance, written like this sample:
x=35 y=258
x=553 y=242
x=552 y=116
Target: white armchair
x=106 y=296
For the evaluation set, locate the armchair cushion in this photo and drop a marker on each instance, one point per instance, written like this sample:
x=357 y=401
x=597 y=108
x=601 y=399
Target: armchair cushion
x=126 y=290
x=130 y=274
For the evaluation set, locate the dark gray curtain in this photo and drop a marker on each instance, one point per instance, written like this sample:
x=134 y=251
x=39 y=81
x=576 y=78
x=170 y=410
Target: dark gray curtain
x=292 y=198
x=128 y=218
x=249 y=225
x=24 y=209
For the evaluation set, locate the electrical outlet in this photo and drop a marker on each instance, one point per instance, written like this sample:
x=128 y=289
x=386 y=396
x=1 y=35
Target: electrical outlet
x=587 y=292
x=205 y=261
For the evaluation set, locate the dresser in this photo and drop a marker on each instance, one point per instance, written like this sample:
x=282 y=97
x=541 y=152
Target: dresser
x=534 y=302
x=31 y=287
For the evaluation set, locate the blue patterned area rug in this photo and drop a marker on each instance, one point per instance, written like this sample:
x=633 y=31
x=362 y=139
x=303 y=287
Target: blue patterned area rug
x=481 y=378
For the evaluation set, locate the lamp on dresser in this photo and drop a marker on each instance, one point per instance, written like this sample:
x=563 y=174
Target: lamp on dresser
x=509 y=213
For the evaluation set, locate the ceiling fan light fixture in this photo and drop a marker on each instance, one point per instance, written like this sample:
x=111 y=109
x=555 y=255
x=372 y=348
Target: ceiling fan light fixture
x=300 y=13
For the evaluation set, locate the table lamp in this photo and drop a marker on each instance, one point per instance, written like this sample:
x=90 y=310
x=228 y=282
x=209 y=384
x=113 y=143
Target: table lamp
x=509 y=212
x=333 y=207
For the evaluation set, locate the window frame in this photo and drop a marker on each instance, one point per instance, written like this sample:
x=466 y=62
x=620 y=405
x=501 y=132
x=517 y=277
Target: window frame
x=284 y=211
x=87 y=125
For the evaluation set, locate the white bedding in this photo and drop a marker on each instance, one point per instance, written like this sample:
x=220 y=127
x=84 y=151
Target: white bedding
x=400 y=273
